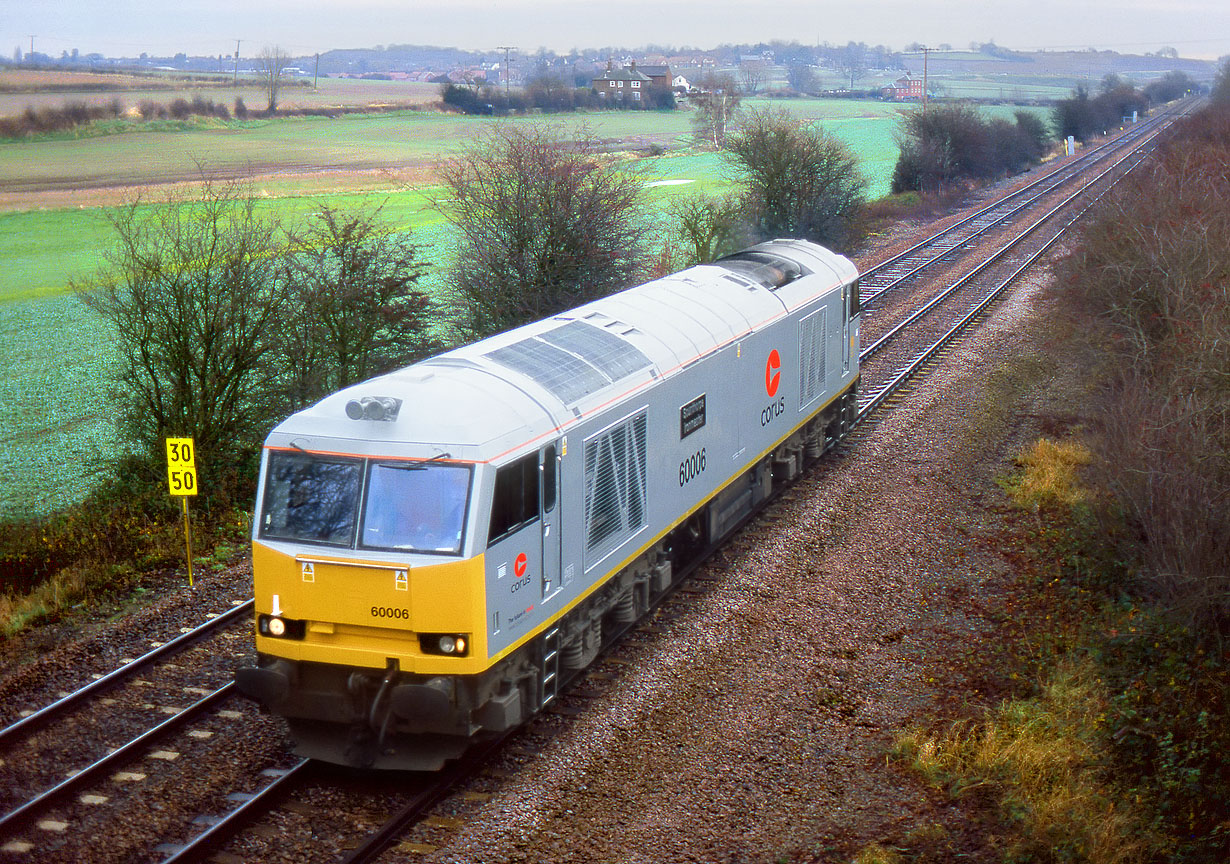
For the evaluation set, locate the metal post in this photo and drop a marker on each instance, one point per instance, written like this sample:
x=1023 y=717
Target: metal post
x=188 y=540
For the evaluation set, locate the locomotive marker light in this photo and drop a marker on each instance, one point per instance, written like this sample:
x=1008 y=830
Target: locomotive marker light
x=181 y=480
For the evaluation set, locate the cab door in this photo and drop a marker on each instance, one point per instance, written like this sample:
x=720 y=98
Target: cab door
x=847 y=309
x=548 y=496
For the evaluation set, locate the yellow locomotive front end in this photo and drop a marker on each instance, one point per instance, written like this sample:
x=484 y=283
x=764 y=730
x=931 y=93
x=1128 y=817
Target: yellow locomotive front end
x=368 y=557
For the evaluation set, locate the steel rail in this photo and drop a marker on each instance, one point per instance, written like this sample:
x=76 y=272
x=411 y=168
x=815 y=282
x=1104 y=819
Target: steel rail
x=1070 y=167
x=116 y=676
x=228 y=826
x=994 y=258
x=896 y=383
x=1069 y=170
x=85 y=775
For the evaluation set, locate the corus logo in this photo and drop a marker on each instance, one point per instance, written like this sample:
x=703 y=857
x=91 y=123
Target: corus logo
x=772 y=373
x=520 y=564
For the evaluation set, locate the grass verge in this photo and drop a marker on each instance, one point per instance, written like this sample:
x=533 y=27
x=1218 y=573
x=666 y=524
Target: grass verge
x=1112 y=748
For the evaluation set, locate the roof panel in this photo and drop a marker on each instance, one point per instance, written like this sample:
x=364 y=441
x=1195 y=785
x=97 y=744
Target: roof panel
x=611 y=355
x=567 y=376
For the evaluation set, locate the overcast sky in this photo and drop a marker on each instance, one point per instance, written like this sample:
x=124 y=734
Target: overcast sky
x=1196 y=28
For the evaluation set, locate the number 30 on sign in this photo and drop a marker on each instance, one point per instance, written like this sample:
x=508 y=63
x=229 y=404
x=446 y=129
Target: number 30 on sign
x=181 y=466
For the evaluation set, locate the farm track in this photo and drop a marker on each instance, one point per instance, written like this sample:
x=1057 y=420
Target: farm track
x=315 y=801
x=249 y=171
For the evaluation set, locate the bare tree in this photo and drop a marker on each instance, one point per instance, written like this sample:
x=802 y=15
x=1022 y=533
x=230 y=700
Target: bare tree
x=706 y=228
x=715 y=103
x=192 y=292
x=801 y=182
x=853 y=63
x=801 y=77
x=546 y=223
x=272 y=62
x=752 y=75
x=354 y=306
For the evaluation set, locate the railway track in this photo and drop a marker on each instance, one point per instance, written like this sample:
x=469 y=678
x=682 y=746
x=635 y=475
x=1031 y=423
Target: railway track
x=78 y=759
x=966 y=285
x=920 y=258
x=896 y=355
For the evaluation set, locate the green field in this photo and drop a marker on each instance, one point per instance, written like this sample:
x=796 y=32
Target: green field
x=55 y=424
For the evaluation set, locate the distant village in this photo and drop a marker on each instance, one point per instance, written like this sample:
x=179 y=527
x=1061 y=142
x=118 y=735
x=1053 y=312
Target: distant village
x=781 y=68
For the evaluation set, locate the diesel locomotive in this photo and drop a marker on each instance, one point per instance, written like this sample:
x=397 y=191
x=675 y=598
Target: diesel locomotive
x=436 y=551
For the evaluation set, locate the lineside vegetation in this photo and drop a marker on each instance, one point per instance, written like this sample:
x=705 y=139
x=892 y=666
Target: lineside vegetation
x=1114 y=746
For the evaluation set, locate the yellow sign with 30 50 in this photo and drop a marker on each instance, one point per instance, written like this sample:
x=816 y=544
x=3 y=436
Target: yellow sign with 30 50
x=181 y=466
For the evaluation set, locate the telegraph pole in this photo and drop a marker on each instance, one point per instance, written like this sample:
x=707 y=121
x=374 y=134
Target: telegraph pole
x=926 y=52
x=32 y=47
x=235 y=80
x=507 y=69
x=316 y=76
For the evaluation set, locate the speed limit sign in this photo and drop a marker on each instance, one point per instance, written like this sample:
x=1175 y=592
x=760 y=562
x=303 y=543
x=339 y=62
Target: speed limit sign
x=181 y=466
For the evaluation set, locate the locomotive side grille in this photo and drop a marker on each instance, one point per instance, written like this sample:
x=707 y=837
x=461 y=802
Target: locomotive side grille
x=615 y=484
x=811 y=357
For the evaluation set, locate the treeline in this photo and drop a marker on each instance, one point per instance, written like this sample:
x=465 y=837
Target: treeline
x=48 y=120
x=952 y=143
x=546 y=94
x=1083 y=116
x=1150 y=284
x=73 y=115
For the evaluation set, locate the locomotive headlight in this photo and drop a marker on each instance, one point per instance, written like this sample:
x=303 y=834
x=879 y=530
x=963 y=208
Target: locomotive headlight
x=445 y=644
x=276 y=627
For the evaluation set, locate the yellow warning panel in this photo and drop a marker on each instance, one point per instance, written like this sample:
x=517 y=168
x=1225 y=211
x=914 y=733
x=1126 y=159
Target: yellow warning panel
x=181 y=466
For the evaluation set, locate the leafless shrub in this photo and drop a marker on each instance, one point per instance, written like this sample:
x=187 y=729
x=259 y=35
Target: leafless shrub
x=151 y=110
x=800 y=181
x=546 y=223
x=1154 y=269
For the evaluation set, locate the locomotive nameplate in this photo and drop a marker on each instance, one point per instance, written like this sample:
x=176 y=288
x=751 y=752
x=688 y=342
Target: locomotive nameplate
x=692 y=417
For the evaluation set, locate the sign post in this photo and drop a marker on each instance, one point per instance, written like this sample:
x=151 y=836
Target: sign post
x=181 y=479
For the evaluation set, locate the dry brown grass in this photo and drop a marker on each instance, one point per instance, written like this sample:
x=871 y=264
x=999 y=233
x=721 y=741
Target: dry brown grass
x=1042 y=761
x=67 y=588
x=1049 y=475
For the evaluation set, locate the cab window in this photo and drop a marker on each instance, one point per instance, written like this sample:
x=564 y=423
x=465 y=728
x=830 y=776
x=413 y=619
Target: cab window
x=415 y=507
x=516 y=497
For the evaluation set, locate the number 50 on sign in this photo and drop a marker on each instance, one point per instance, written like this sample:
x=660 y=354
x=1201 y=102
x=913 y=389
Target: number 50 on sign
x=181 y=466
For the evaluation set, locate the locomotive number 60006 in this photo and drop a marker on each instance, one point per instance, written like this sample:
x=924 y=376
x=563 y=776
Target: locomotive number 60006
x=692 y=467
